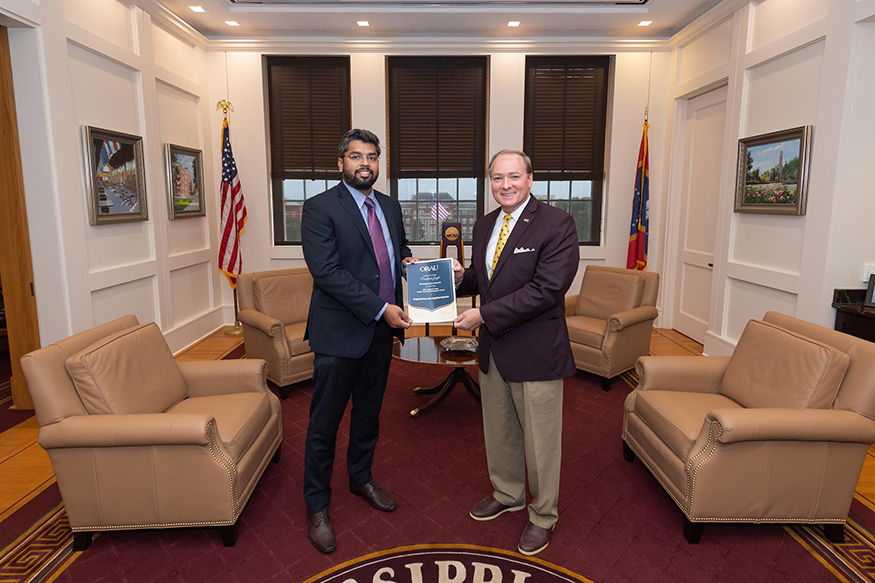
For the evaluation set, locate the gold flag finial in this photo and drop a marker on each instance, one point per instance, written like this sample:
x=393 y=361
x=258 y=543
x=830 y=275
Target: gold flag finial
x=225 y=106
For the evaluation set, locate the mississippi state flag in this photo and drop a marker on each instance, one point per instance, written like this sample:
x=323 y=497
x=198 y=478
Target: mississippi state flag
x=233 y=213
x=637 y=256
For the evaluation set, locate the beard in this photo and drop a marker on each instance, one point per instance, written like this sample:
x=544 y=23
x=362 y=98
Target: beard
x=360 y=183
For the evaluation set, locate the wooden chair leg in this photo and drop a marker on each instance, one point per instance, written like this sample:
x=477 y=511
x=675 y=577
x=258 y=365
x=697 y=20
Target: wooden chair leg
x=606 y=384
x=628 y=454
x=276 y=455
x=82 y=540
x=229 y=533
x=835 y=533
x=693 y=531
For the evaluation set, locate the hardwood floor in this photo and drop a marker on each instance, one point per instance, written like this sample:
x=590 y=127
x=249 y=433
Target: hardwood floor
x=26 y=469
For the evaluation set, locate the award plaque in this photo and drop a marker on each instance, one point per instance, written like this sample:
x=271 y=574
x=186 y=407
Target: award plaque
x=431 y=292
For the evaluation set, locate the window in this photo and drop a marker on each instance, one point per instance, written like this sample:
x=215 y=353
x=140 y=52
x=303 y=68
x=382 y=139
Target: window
x=309 y=110
x=564 y=135
x=437 y=142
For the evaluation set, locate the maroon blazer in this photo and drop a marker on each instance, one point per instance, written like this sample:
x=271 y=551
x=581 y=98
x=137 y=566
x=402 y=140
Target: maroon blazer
x=523 y=305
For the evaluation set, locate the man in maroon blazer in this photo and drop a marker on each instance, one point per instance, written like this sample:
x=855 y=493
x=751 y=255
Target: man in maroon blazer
x=521 y=271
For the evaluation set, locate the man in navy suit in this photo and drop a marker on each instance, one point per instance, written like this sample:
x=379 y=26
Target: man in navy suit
x=524 y=258
x=356 y=249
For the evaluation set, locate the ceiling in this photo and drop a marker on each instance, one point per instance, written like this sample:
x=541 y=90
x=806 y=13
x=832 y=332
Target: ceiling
x=462 y=19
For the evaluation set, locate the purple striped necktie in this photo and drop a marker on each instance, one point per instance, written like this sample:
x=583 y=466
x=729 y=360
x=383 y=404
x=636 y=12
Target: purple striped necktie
x=387 y=286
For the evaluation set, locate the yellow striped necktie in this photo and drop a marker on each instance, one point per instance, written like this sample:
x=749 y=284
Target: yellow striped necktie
x=502 y=239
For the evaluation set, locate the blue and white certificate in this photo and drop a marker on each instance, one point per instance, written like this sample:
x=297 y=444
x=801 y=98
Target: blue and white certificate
x=431 y=292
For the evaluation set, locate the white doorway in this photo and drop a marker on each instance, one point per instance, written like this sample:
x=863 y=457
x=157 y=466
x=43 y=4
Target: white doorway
x=704 y=128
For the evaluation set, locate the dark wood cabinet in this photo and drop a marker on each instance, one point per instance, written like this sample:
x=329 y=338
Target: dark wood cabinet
x=851 y=317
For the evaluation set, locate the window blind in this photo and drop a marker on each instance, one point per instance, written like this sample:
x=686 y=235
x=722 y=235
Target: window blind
x=309 y=108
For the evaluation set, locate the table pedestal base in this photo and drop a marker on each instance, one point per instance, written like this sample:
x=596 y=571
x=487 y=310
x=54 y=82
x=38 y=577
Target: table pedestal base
x=459 y=375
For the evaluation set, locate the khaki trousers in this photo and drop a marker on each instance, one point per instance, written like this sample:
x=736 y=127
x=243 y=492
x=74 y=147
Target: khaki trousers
x=522 y=427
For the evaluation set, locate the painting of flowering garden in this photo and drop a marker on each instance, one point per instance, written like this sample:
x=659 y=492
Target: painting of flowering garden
x=772 y=174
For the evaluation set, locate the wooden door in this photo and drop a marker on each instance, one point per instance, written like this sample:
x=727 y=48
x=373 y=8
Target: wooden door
x=16 y=270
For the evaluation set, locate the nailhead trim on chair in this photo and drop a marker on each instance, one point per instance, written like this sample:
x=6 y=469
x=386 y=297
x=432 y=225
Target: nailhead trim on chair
x=232 y=470
x=709 y=445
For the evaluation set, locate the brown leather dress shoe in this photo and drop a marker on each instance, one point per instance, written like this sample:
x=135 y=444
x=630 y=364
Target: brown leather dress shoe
x=321 y=533
x=374 y=495
x=489 y=508
x=534 y=539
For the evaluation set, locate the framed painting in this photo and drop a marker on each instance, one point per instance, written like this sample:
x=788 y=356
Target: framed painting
x=773 y=172
x=869 y=301
x=116 y=177
x=185 y=182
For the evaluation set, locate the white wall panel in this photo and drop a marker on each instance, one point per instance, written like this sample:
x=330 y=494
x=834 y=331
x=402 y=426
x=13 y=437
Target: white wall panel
x=136 y=297
x=190 y=234
x=190 y=291
x=173 y=54
x=853 y=200
x=178 y=116
x=768 y=241
x=747 y=301
x=774 y=19
x=706 y=52
x=118 y=245
x=109 y=19
x=782 y=93
x=179 y=124
x=105 y=93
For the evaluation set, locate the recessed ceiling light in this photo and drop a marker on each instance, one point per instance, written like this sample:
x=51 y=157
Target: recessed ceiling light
x=645 y=23
x=232 y=23
x=513 y=23
x=362 y=22
x=196 y=8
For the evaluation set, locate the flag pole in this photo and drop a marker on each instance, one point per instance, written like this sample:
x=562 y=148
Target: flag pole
x=237 y=328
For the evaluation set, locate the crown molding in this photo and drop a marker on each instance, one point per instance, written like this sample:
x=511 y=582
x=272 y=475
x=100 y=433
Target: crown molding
x=710 y=19
x=325 y=45
x=172 y=23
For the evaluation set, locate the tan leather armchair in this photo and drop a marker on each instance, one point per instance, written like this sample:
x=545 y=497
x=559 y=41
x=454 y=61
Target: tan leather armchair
x=610 y=321
x=777 y=432
x=273 y=312
x=140 y=441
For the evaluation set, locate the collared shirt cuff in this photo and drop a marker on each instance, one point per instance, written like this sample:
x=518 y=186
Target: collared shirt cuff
x=380 y=313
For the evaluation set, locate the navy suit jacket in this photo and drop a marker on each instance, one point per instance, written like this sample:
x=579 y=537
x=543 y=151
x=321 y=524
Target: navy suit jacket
x=346 y=279
x=523 y=305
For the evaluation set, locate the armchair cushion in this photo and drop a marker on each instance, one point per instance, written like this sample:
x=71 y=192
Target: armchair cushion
x=130 y=371
x=240 y=417
x=286 y=297
x=773 y=367
x=295 y=334
x=678 y=421
x=587 y=331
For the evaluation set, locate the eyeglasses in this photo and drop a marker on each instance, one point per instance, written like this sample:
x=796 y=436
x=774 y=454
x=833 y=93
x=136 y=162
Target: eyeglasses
x=358 y=157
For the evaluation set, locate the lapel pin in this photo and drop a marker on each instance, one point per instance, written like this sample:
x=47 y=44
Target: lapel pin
x=525 y=220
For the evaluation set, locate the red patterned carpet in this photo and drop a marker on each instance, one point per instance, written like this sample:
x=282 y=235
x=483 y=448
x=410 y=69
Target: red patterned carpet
x=616 y=523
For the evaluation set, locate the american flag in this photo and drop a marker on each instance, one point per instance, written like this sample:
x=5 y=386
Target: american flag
x=439 y=212
x=233 y=213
